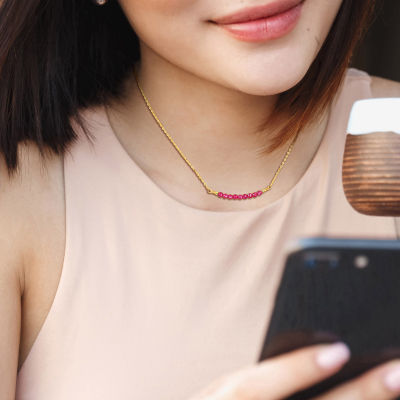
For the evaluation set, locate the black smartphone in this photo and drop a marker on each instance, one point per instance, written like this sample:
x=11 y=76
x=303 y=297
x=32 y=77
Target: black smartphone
x=334 y=289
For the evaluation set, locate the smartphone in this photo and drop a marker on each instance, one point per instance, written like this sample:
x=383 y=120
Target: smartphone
x=338 y=289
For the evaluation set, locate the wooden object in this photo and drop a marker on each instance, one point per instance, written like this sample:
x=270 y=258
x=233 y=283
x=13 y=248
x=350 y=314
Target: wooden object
x=371 y=173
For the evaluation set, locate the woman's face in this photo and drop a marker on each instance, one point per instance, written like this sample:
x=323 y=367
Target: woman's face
x=184 y=33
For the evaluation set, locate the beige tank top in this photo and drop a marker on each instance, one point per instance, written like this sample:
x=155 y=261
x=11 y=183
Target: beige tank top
x=157 y=299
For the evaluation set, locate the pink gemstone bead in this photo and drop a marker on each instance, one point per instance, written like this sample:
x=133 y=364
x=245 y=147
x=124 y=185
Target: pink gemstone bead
x=240 y=196
x=255 y=194
x=225 y=196
x=245 y=196
x=235 y=196
x=220 y=194
x=230 y=196
x=260 y=192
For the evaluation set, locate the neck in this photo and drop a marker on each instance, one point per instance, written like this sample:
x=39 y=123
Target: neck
x=217 y=129
x=182 y=99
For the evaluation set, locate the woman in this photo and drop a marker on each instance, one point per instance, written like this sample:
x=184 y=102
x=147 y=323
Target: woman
x=123 y=274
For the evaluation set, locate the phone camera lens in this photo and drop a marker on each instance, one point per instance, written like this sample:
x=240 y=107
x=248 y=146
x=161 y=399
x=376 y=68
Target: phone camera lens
x=361 y=261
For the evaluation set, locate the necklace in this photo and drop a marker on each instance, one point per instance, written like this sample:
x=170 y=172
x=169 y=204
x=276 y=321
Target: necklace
x=220 y=195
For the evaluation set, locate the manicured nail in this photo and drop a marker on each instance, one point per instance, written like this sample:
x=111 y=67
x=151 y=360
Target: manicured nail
x=392 y=379
x=333 y=355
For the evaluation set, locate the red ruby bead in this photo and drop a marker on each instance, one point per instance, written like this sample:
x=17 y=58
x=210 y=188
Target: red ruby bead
x=260 y=192
x=245 y=196
x=235 y=196
x=230 y=196
x=225 y=196
x=220 y=194
x=255 y=194
x=240 y=196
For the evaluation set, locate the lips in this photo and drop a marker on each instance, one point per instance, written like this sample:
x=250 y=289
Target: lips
x=259 y=12
x=262 y=23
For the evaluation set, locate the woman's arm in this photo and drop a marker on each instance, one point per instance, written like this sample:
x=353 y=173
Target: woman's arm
x=11 y=285
x=29 y=202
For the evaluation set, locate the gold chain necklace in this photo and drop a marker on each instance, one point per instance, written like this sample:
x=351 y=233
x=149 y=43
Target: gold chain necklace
x=220 y=195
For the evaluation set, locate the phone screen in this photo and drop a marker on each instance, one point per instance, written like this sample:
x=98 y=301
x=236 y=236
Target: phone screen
x=346 y=290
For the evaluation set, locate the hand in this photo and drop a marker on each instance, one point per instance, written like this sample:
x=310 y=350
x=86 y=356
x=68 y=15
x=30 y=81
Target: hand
x=284 y=375
x=381 y=382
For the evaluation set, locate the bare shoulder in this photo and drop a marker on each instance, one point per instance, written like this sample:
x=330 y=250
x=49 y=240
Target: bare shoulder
x=29 y=199
x=382 y=87
x=31 y=241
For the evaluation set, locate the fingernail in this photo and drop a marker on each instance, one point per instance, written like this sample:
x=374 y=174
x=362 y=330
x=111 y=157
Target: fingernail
x=333 y=355
x=392 y=379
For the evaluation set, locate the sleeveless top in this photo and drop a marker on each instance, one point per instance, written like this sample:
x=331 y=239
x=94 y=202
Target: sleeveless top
x=158 y=299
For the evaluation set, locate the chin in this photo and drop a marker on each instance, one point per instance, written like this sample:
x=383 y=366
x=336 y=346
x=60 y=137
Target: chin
x=260 y=83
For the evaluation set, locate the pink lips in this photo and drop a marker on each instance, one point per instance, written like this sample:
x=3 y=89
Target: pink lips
x=262 y=23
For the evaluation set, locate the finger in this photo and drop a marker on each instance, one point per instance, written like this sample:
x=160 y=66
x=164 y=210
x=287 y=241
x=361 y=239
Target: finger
x=380 y=383
x=286 y=374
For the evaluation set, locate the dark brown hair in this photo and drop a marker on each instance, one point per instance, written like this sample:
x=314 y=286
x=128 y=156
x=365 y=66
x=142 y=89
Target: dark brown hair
x=60 y=56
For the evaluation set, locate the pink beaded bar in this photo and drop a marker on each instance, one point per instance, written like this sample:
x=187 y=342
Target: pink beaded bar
x=239 y=196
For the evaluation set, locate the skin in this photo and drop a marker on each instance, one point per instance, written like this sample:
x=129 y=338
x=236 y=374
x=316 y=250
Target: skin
x=234 y=83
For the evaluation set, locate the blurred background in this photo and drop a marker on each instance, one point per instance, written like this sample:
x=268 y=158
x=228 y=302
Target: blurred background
x=379 y=53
